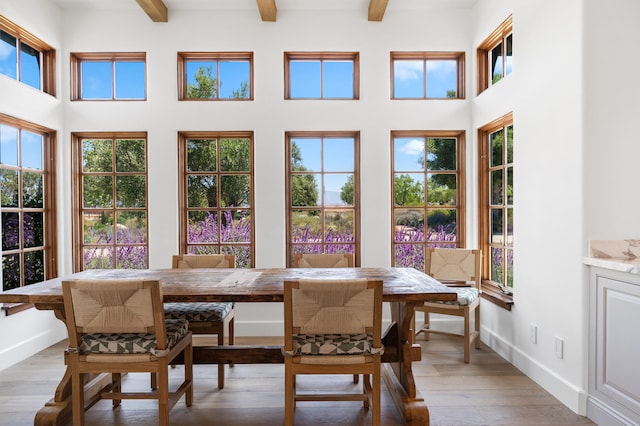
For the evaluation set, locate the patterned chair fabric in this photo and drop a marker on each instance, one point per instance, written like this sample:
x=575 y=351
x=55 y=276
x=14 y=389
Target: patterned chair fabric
x=198 y=311
x=334 y=344
x=466 y=296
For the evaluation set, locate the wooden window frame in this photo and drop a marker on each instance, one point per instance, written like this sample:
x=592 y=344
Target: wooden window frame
x=49 y=194
x=459 y=57
x=183 y=209
x=322 y=56
x=499 y=35
x=48 y=54
x=356 y=188
x=78 y=58
x=77 y=229
x=460 y=171
x=184 y=57
x=491 y=290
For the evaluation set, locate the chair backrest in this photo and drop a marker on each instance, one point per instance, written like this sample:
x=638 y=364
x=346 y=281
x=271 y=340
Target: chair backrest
x=348 y=306
x=323 y=260
x=189 y=261
x=113 y=306
x=462 y=265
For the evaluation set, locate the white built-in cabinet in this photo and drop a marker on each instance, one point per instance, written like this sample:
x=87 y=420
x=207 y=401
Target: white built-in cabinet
x=614 y=348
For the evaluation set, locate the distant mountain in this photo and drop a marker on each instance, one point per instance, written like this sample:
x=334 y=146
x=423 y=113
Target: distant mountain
x=332 y=198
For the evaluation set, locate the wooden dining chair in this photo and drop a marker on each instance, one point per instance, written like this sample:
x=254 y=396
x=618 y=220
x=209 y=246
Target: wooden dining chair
x=205 y=317
x=459 y=269
x=325 y=260
x=118 y=326
x=333 y=327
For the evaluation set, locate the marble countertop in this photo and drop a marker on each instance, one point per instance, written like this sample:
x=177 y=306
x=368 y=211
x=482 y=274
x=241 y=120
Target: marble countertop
x=617 y=255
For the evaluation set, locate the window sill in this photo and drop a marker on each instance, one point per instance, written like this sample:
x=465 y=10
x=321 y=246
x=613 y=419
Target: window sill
x=14 y=308
x=493 y=294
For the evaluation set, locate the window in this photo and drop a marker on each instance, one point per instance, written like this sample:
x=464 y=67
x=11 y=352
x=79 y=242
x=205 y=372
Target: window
x=216 y=194
x=26 y=58
x=495 y=56
x=328 y=75
x=323 y=193
x=108 y=76
x=428 y=193
x=110 y=198
x=496 y=201
x=215 y=76
x=27 y=201
x=427 y=75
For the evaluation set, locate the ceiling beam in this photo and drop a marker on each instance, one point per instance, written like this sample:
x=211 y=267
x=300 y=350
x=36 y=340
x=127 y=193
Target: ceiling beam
x=377 y=9
x=156 y=10
x=267 y=9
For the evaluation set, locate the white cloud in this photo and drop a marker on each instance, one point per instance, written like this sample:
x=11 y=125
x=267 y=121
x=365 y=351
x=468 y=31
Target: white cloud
x=413 y=147
x=408 y=70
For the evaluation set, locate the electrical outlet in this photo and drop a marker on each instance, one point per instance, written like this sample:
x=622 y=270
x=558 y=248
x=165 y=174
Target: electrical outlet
x=559 y=347
x=534 y=333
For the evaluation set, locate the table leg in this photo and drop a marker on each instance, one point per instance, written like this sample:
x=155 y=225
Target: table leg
x=398 y=376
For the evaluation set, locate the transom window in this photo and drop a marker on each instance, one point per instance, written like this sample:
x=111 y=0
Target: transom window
x=216 y=194
x=26 y=58
x=215 y=76
x=322 y=75
x=495 y=56
x=27 y=201
x=108 y=76
x=323 y=193
x=496 y=192
x=110 y=192
x=427 y=75
x=428 y=193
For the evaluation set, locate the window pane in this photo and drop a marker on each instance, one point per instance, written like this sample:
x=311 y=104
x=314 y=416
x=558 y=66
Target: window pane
x=497 y=228
x=235 y=191
x=204 y=250
x=33 y=232
x=509 y=172
x=305 y=227
x=98 y=258
x=97 y=155
x=306 y=248
x=32 y=144
x=410 y=256
x=202 y=191
x=97 y=191
x=510 y=144
x=96 y=80
x=409 y=225
x=408 y=154
x=495 y=143
x=130 y=155
x=235 y=155
x=131 y=191
x=509 y=262
x=201 y=155
x=32 y=190
x=304 y=79
x=441 y=154
x=131 y=227
x=496 y=63
x=442 y=78
x=234 y=79
x=30 y=66
x=10 y=272
x=10 y=231
x=509 y=59
x=129 y=80
x=235 y=226
x=408 y=79
x=201 y=79
x=338 y=189
x=8 y=145
x=131 y=257
x=337 y=79
x=441 y=190
x=509 y=227
x=496 y=188
x=441 y=225
x=338 y=154
x=305 y=154
x=34 y=267
x=98 y=228
x=305 y=190
x=202 y=227
x=497 y=265
x=409 y=189
x=339 y=226
x=242 y=254
x=9 y=188
x=8 y=56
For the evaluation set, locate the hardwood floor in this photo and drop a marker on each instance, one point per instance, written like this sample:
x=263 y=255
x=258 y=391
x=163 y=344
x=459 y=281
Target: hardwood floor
x=488 y=391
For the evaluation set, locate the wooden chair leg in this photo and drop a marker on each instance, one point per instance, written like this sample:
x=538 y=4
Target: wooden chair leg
x=375 y=413
x=231 y=334
x=477 y=326
x=116 y=379
x=188 y=374
x=220 y=366
x=467 y=336
x=163 y=395
x=77 y=398
x=289 y=379
x=426 y=326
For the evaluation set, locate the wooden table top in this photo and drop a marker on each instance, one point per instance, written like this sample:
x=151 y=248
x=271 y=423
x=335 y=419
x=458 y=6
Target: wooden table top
x=241 y=285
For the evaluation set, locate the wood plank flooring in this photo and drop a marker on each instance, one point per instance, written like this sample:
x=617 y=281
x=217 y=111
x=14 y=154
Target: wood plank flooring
x=487 y=391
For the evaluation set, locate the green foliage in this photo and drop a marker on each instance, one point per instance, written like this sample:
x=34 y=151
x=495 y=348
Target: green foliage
x=304 y=189
x=408 y=192
x=205 y=87
x=346 y=192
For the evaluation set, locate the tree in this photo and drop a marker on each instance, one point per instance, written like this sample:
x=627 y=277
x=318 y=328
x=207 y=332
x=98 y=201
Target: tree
x=205 y=87
x=304 y=190
x=346 y=192
x=408 y=192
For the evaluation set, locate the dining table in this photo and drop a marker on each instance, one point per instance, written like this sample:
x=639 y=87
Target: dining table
x=403 y=290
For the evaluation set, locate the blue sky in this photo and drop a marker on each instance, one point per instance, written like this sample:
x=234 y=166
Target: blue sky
x=30 y=72
x=97 y=78
x=409 y=78
x=232 y=74
x=31 y=148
